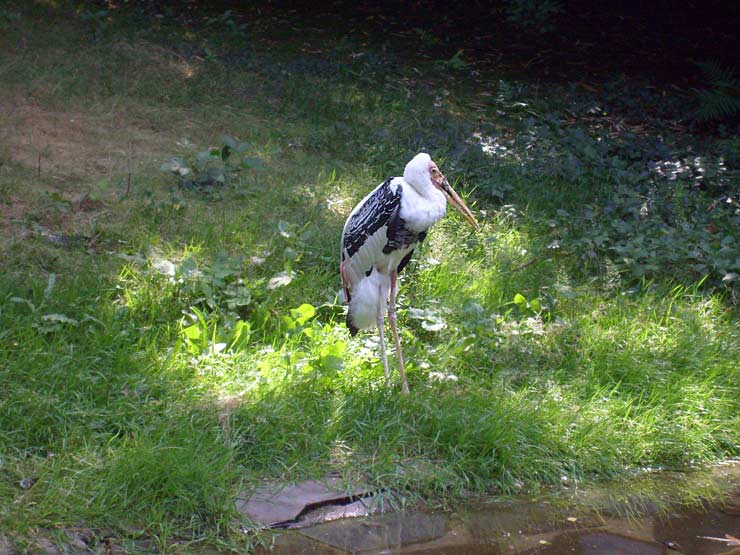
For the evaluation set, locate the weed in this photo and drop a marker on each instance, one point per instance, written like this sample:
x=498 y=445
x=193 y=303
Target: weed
x=213 y=169
x=721 y=100
x=456 y=63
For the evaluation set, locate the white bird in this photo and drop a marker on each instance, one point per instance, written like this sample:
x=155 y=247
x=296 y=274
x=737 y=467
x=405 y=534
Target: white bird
x=379 y=238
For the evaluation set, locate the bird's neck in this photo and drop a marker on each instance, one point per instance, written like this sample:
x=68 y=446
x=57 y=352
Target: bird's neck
x=421 y=211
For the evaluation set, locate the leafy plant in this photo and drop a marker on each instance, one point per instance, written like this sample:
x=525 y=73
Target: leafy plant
x=203 y=335
x=532 y=306
x=215 y=285
x=217 y=300
x=215 y=168
x=721 y=99
x=431 y=319
x=644 y=235
x=455 y=63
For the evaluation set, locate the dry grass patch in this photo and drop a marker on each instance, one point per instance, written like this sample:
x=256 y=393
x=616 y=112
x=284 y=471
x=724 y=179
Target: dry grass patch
x=77 y=145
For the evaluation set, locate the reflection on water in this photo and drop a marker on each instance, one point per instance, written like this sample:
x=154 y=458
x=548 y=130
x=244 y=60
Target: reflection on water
x=693 y=513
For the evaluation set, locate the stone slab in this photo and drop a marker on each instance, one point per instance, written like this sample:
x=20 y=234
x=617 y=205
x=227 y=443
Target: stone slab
x=272 y=506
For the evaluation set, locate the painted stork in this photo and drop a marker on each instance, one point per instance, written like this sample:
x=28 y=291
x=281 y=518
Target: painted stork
x=379 y=238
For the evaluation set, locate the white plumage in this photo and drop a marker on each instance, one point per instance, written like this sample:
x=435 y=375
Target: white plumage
x=379 y=238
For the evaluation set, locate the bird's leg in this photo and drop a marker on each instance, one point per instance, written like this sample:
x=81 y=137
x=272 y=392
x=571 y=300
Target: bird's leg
x=381 y=320
x=394 y=329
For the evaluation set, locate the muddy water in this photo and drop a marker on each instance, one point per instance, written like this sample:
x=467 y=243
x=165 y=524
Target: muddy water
x=657 y=513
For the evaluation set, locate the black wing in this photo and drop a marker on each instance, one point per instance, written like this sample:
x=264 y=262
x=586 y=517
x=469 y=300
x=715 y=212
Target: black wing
x=364 y=234
x=406 y=259
x=399 y=236
x=375 y=212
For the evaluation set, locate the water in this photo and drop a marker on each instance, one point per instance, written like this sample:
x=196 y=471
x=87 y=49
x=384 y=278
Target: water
x=654 y=513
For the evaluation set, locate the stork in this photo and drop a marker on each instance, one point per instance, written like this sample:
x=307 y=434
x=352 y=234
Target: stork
x=378 y=240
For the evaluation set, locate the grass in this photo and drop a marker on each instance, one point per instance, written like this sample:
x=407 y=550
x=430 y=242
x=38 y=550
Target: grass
x=164 y=349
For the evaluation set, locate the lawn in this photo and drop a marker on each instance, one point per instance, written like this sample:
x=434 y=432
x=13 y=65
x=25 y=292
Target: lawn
x=173 y=194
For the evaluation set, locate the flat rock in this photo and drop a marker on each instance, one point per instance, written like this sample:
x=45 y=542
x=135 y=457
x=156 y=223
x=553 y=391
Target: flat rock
x=273 y=506
x=45 y=546
x=7 y=547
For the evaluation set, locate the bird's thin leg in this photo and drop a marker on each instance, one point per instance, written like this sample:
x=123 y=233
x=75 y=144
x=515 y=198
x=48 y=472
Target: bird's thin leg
x=381 y=320
x=394 y=329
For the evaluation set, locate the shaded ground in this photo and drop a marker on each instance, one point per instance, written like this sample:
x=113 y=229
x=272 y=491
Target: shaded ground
x=578 y=40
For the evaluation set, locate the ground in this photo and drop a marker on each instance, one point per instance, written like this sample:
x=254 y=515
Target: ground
x=173 y=188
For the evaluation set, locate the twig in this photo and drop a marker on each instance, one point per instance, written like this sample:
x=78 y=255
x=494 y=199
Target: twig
x=523 y=266
x=128 y=166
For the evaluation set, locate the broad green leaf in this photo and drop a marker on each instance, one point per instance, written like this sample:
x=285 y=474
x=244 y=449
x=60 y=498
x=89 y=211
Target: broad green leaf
x=238 y=296
x=193 y=332
x=242 y=332
x=229 y=141
x=222 y=268
x=303 y=313
x=331 y=363
x=431 y=320
x=436 y=324
x=188 y=268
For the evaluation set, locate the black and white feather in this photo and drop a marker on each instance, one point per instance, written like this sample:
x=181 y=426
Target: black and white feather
x=380 y=236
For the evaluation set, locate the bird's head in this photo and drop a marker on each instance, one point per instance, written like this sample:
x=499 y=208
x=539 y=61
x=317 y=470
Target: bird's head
x=421 y=173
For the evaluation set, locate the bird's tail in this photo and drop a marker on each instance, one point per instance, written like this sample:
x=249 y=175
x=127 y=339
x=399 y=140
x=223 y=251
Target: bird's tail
x=369 y=296
x=352 y=328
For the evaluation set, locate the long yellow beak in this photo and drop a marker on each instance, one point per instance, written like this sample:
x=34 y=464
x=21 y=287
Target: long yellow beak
x=454 y=199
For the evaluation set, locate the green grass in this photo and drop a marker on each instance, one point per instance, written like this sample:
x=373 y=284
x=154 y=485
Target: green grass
x=151 y=368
